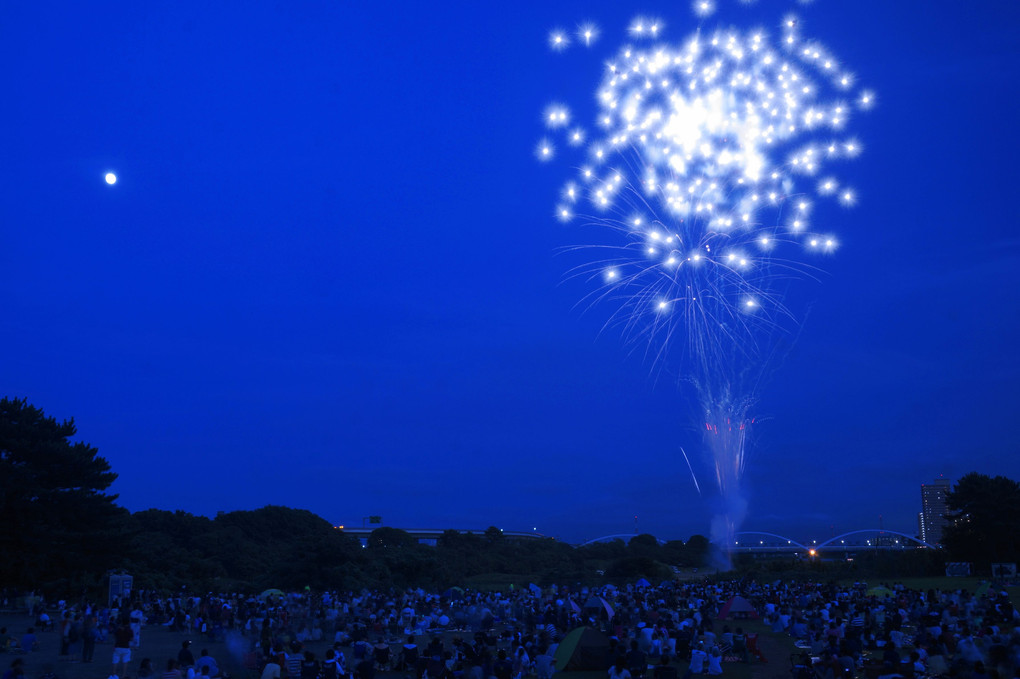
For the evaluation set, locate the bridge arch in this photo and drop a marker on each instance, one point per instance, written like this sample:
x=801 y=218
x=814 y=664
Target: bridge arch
x=831 y=541
x=785 y=539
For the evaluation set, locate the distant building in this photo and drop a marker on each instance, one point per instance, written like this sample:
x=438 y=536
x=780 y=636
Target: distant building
x=932 y=518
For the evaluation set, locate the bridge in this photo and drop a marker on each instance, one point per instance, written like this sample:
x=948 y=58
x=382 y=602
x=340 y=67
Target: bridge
x=755 y=542
x=430 y=536
x=771 y=543
x=872 y=539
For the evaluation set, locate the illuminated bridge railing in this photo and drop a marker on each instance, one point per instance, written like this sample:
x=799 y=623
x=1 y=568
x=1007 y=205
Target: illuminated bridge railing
x=855 y=540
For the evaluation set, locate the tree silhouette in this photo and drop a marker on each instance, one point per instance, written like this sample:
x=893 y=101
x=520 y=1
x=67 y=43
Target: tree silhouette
x=984 y=516
x=57 y=519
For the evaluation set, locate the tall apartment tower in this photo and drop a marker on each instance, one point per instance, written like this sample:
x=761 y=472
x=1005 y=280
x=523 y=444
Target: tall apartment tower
x=933 y=510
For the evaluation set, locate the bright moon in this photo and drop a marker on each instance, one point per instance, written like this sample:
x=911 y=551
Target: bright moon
x=111 y=178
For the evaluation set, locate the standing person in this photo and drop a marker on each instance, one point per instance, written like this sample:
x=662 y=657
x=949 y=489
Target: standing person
x=266 y=637
x=136 y=619
x=65 y=635
x=121 y=648
x=88 y=641
x=74 y=637
x=184 y=657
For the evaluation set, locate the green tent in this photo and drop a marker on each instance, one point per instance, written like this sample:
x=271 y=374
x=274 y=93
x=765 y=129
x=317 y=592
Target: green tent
x=272 y=594
x=584 y=648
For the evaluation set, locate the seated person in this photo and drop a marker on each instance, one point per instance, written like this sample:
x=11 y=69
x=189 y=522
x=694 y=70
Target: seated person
x=637 y=661
x=664 y=670
x=545 y=664
x=29 y=642
x=739 y=645
x=17 y=670
x=360 y=649
x=365 y=670
x=332 y=666
x=381 y=654
x=272 y=669
x=206 y=661
x=309 y=666
x=714 y=660
x=408 y=655
x=890 y=657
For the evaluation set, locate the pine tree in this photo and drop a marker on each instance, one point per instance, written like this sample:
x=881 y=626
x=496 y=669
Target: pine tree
x=56 y=521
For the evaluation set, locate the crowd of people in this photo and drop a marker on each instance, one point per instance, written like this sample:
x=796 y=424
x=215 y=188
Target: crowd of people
x=841 y=631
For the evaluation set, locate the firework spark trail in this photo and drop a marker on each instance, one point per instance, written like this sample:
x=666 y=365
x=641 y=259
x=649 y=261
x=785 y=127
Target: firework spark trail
x=708 y=159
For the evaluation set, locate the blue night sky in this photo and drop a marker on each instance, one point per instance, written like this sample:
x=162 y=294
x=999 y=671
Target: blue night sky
x=329 y=276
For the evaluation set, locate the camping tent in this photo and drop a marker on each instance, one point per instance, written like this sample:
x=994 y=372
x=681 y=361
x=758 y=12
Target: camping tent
x=737 y=607
x=597 y=603
x=272 y=594
x=584 y=648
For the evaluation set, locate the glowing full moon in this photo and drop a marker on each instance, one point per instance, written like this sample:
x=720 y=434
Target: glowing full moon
x=111 y=178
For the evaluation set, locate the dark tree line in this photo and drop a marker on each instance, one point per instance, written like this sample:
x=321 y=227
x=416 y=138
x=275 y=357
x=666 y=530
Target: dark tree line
x=61 y=530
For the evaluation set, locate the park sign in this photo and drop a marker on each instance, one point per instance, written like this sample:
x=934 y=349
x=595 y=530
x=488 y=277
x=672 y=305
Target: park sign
x=120 y=588
x=958 y=569
x=1004 y=571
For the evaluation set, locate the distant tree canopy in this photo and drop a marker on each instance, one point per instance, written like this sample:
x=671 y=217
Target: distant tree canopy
x=984 y=514
x=56 y=517
x=61 y=531
x=257 y=549
x=390 y=538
